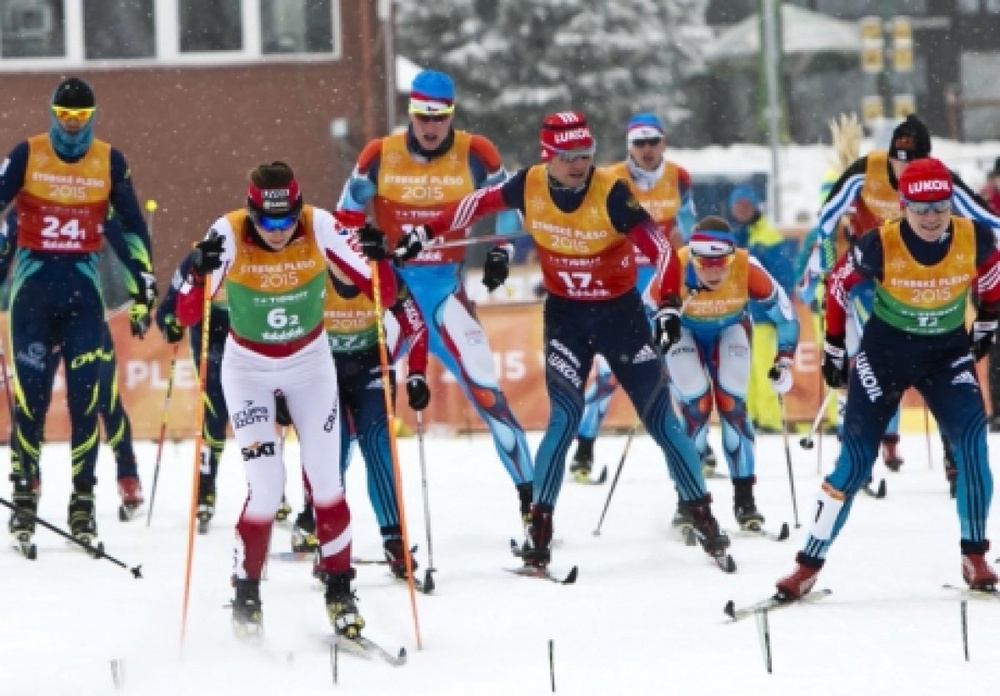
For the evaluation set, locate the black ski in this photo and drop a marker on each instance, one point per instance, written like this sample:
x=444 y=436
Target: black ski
x=781 y=535
x=545 y=574
x=367 y=649
x=875 y=492
x=771 y=603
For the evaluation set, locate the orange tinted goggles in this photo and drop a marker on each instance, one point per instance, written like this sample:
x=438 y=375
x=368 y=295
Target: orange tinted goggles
x=713 y=261
x=64 y=113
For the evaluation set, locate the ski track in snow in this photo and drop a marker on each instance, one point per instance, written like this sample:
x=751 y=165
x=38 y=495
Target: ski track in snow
x=645 y=616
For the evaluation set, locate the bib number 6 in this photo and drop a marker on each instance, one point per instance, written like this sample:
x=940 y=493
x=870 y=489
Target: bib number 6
x=280 y=319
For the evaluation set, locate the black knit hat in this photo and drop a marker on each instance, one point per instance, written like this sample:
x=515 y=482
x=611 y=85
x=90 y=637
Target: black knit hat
x=74 y=93
x=911 y=140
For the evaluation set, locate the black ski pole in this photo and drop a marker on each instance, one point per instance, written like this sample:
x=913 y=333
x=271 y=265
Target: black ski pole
x=618 y=472
x=95 y=551
x=163 y=430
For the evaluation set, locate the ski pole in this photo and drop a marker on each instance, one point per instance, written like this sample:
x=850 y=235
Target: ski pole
x=383 y=356
x=163 y=431
x=807 y=441
x=788 y=459
x=618 y=472
x=95 y=551
x=428 y=579
x=199 y=424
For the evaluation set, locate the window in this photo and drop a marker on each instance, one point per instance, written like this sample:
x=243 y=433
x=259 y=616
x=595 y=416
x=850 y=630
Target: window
x=114 y=29
x=968 y=6
x=32 y=29
x=296 y=26
x=210 y=25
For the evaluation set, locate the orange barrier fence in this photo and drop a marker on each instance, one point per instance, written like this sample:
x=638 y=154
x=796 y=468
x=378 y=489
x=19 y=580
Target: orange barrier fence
x=515 y=335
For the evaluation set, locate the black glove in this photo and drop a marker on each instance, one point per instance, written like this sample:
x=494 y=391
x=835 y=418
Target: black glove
x=207 y=254
x=171 y=330
x=412 y=243
x=984 y=333
x=417 y=391
x=140 y=313
x=667 y=324
x=374 y=243
x=835 y=362
x=497 y=268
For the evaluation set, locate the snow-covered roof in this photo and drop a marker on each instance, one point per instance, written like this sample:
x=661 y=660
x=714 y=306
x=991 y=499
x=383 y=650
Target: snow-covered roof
x=803 y=31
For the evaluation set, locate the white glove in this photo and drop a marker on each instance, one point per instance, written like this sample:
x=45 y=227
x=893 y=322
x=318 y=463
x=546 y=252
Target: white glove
x=780 y=375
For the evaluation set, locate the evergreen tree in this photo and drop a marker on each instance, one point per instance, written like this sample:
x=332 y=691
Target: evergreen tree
x=514 y=61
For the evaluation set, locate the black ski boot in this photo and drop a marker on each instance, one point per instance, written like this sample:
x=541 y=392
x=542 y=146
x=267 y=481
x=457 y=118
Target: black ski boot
x=683 y=519
x=708 y=463
x=525 y=492
x=82 y=522
x=22 y=527
x=747 y=515
x=206 y=503
x=341 y=605
x=304 y=532
x=248 y=615
x=284 y=511
x=394 y=553
x=707 y=530
x=538 y=538
x=583 y=459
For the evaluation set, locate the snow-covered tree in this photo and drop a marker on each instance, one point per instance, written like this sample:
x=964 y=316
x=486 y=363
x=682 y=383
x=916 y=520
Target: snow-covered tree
x=515 y=61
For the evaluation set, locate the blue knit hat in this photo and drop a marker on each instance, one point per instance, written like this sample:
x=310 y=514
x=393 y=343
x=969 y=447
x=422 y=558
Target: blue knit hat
x=643 y=126
x=432 y=93
x=743 y=193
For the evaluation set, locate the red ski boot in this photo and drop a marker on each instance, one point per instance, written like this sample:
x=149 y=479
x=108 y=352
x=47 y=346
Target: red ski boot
x=801 y=580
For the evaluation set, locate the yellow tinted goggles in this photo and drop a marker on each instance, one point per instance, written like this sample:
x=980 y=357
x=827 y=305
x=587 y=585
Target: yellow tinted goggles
x=65 y=113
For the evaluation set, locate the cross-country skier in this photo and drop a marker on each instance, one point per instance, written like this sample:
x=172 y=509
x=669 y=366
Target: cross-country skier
x=924 y=268
x=62 y=184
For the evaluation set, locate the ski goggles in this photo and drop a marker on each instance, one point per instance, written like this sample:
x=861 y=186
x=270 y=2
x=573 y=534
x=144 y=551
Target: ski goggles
x=578 y=154
x=645 y=142
x=712 y=262
x=274 y=225
x=431 y=118
x=923 y=208
x=65 y=113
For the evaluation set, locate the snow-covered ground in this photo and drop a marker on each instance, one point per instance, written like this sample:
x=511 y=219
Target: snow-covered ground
x=645 y=616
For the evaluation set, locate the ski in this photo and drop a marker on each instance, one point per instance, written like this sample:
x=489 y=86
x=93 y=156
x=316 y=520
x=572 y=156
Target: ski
x=298 y=556
x=585 y=480
x=367 y=649
x=23 y=545
x=545 y=574
x=969 y=593
x=127 y=514
x=738 y=613
x=722 y=559
x=781 y=535
x=877 y=492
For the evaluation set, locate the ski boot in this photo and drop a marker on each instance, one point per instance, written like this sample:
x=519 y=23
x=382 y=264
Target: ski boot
x=206 y=503
x=304 y=532
x=341 y=605
x=583 y=459
x=130 y=491
x=248 y=616
x=713 y=540
x=683 y=522
x=283 y=511
x=708 y=463
x=976 y=570
x=951 y=472
x=393 y=548
x=538 y=536
x=890 y=453
x=747 y=514
x=801 y=580
x=525 y=492
x=22 y=527
x=82 y=522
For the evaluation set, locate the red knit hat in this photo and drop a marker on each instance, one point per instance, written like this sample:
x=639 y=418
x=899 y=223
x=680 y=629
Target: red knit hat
x=566 y=132
x=925 y=180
